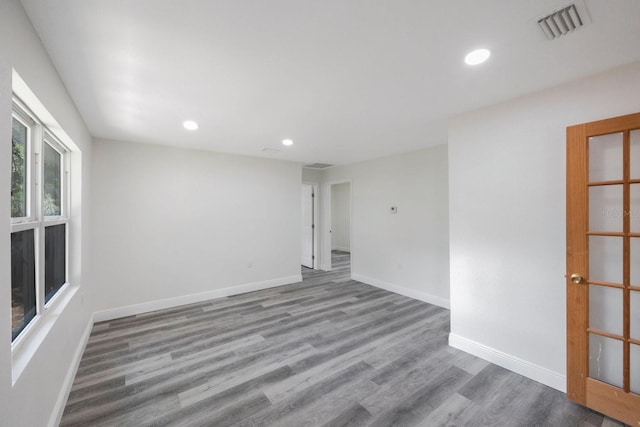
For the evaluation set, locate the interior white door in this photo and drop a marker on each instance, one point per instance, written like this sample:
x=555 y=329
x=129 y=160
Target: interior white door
x=307 y=226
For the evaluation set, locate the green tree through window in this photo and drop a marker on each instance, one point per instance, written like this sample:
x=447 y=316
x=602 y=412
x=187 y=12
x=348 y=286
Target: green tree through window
x=52 y=184
x=18 y=170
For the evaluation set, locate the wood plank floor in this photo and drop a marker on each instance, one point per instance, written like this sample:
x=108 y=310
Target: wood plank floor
x=328 y=351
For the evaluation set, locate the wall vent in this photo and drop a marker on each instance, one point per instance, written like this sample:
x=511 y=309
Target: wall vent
x=318 y=166
x=564 y=21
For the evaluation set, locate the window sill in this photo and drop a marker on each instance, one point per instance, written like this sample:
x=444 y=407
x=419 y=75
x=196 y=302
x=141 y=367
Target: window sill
x=28 y=342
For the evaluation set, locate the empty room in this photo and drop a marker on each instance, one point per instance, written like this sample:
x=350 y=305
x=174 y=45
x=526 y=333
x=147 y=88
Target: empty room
x=320 y=213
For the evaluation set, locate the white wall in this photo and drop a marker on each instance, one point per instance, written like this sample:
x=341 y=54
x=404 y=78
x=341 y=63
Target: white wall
x=405 y=252
x=183 y=225
x=507 y=221
x=311 y=175
x=41 y=388
x=341 y=217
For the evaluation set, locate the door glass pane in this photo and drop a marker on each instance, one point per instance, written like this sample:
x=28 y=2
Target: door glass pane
x=635 y=261
x=605 y=259
x=54 y=259
x=605 y=157
x=23 y=281
x=635 y=368
x=52 y=181
x=634 y=212
x=605 y=309
x=19 y=187
x=605 y=359
x=635 y=315
x=605 y=208
x=635 y=154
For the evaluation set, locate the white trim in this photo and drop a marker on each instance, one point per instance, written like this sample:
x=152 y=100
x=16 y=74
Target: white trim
x=63 y=396
x=314 y=228
x=530 y=370
x=37 y=108
x=407 y=292
x=28 y=342
x=316 y=223
x=22 y=114
x=328 y=213
x=131 y=310
x=38 y=135
x=23 y=226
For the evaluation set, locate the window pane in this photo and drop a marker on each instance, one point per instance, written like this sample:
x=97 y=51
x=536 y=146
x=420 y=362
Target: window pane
x=23 y=281
x=52 y=181
x=605 y=259
x=634 y=211
x=635 y=153
x=55 y=242
x=635 y=368
x=605 y=309
x=18 y=170
x=634 y=321
x=635 y=261
x=605 y=359
x=605 y=208
x=605 y=157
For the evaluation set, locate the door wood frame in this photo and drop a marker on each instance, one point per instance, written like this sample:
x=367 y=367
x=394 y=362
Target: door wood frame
x=618 y=403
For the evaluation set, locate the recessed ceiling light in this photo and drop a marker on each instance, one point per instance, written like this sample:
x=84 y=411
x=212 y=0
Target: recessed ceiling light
x=287 y=142
x=477 y=56
x=190 y=125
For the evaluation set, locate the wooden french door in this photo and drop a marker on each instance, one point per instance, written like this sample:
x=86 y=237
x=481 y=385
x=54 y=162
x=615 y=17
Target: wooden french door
x=603 y=266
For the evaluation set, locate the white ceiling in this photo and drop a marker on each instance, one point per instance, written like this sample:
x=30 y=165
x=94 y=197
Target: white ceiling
x=347 y=80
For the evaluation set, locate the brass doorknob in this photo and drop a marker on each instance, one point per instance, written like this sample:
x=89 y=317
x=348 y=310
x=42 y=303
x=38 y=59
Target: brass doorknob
x=577 y=279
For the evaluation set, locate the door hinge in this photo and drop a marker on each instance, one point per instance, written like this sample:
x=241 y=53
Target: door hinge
x=313 y=257
x=313 y=194
x=313 y=226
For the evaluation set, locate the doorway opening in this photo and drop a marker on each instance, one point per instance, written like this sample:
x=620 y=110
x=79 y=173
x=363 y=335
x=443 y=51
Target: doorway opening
x=309 y=243
x=339 y=235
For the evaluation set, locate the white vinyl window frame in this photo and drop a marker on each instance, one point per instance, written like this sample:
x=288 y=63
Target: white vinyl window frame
x=37 y=136
x=53 y=220
x=24 y=118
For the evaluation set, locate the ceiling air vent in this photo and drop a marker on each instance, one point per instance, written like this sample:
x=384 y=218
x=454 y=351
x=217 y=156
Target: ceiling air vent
x=318 y=166
x=564 y=21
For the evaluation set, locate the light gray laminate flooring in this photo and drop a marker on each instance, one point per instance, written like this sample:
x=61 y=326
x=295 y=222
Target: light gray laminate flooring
x=328 y=351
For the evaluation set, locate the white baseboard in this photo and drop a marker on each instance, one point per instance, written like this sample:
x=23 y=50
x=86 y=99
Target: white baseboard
x=145 y=307
x=530 y=370
x=61 y=402
x=407 y=292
